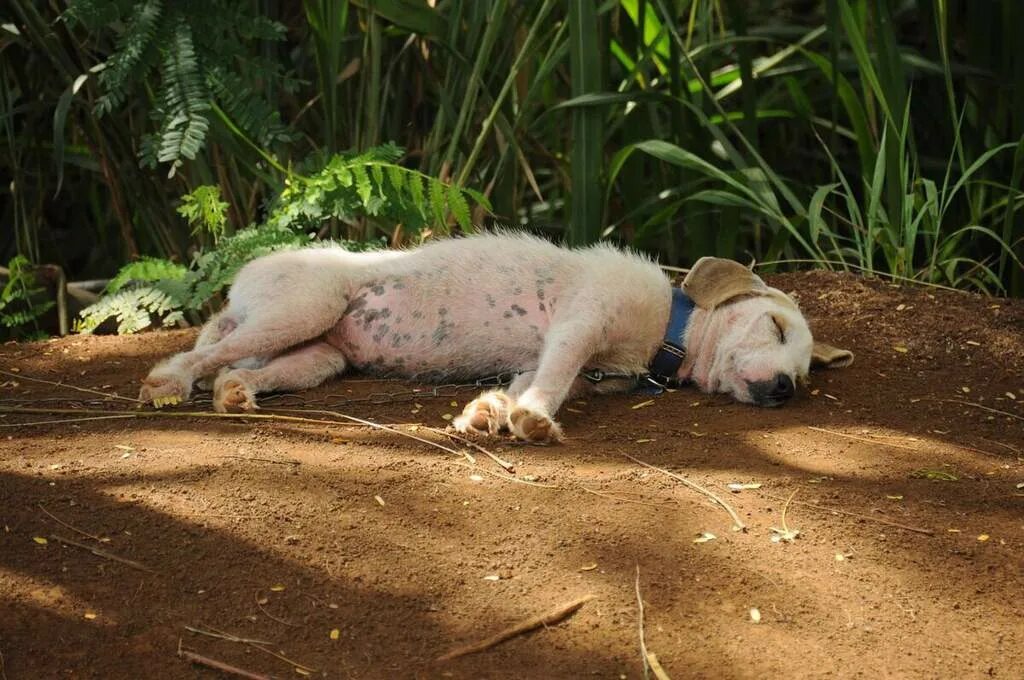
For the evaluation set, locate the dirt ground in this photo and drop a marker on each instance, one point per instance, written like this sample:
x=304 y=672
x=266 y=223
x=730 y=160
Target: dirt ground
x=904 y=470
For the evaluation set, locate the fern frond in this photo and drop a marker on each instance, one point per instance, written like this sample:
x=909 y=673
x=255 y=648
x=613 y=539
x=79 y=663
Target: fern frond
x=122 y=68
x=416 y=191
x=133 y=309
x=145 y=270
x=205 y=211
x=459 y=207
x=184 y=99
x=246 y=108
x=437 y=201
x=363 y=186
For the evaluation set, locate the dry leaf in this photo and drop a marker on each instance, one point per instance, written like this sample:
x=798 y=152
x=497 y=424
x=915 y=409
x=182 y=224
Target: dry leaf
x=642 y=404
x=755 y=615
x=446 y=416
x=335 y=633
x=784 y=536
x=454 y=403
x=40 y=540
x=704 y=537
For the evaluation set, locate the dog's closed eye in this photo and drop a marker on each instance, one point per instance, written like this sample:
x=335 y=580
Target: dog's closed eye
x=780 y=327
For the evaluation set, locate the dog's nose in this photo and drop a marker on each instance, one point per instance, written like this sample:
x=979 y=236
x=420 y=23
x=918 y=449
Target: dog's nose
x=783 y=388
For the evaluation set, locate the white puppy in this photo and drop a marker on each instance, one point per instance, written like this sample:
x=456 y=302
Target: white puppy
x=473 y=307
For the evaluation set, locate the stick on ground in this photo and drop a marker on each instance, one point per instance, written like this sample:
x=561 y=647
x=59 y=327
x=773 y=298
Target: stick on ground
x=64 y=524
x=651 y=662
x=738 y=524
x=103 y=553
x=192 y=657
x=640 y=623
x=869 y=518
x=548 y=618
x=108 y=395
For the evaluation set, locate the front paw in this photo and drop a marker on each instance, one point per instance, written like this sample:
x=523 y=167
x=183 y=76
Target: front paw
x=534 y=427
x=231 y=395
x=164 y=389
x=487 y=414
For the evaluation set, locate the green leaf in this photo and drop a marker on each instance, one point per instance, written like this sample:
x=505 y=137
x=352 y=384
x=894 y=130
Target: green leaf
x=459 y=208
x=437 y=204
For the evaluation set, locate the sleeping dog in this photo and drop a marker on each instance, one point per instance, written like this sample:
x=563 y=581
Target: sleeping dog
x=465 y=308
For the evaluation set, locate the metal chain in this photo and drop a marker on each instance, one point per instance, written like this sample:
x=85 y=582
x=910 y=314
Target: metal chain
x=445 y=391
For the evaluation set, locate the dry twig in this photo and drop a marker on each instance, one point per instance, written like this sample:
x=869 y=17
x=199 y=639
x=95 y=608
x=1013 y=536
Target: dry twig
x=862 y=439
x=271 y=616
x=981 y=406
x=64 y=524
x=192 y=657
x=226 y=636
x=651 y=662
x=103 y=553
x=265 y=460
x=509 y=467
x=169 y=414
x=628 y=500
x=263 y=649
x=640 y=623
x=548 y=618
x=377 y=426
x=108 y=395
x=65 y=421
x=869 y=518
x=738 y=524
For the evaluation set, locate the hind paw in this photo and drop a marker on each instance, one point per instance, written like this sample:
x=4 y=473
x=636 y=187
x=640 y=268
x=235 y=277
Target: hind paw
x=231 y=395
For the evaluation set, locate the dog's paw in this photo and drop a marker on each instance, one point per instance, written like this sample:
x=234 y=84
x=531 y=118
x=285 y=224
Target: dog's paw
x=164 y=389
x=487 y=414
x=232 y=395
x=534 y=427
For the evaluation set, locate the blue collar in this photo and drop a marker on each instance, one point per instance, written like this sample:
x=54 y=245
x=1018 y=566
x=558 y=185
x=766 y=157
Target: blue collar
x=664 y=367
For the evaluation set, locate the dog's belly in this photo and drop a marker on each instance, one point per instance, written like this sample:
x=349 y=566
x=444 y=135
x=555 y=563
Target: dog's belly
x=414 y=327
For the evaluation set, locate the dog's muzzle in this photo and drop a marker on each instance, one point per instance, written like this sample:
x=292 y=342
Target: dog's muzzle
x=772 y=392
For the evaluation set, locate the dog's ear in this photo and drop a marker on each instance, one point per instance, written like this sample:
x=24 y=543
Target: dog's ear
x=713 y=280
x=826 y=356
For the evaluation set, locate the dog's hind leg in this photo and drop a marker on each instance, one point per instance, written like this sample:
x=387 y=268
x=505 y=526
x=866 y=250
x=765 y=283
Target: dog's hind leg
x=263 y=332
x=298 y=369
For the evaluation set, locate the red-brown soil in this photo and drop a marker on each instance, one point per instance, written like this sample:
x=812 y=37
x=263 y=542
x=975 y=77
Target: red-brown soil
x=273 y=530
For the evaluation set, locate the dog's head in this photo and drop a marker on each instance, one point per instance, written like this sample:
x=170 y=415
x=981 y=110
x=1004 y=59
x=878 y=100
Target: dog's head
x=754 y=343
